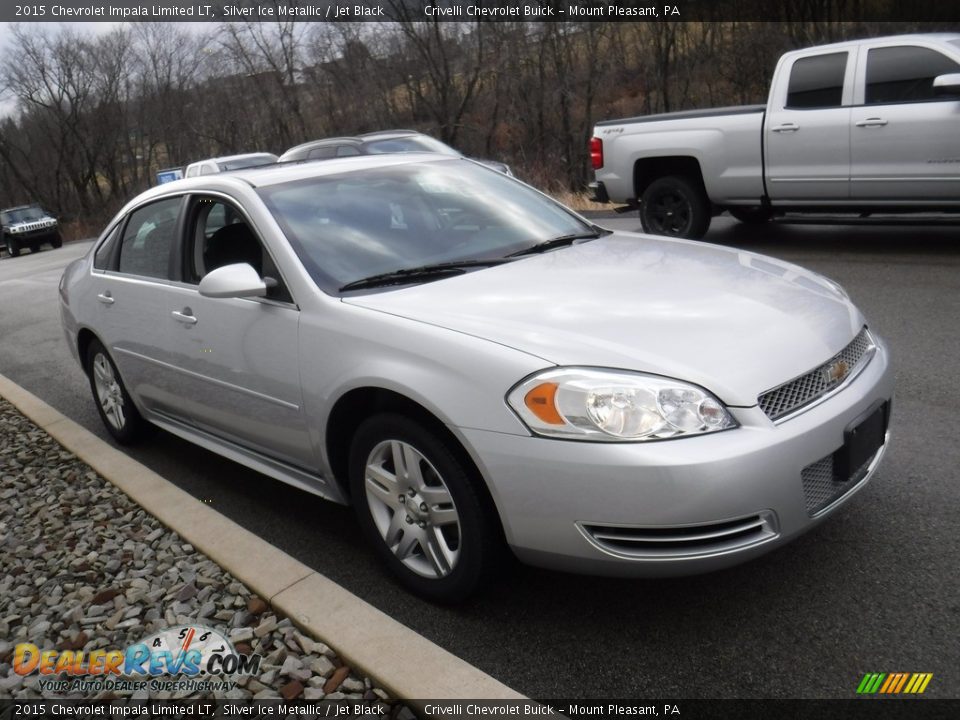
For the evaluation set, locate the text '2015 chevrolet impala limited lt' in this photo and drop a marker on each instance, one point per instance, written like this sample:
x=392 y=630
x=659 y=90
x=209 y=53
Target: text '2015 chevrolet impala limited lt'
x=473 y=366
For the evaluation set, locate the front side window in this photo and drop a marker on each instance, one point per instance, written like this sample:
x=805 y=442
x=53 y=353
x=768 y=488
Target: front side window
x=817 y=82
x=905 y=74
x=220 y=235
x=148 y=239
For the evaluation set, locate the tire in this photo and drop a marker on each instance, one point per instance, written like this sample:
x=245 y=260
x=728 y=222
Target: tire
x=430 y=526
x=13 y=247
x=116 y=409
x=34 y=248
x=56 y=241
x=751 y=215
x=675 y=206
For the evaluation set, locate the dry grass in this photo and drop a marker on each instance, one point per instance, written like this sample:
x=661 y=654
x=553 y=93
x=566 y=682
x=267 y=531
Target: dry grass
x=578 y=201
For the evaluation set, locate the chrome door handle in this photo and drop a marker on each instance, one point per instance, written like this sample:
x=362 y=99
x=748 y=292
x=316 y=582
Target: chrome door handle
x=185 y=317
x=872 y=122
x=106 y=298
x=786 y=127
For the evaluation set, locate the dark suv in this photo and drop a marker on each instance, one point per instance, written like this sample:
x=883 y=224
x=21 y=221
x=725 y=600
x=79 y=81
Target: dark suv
x=29 y=226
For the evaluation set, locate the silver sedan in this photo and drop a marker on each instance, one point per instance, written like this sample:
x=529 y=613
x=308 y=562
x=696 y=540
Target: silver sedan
x=475 y=367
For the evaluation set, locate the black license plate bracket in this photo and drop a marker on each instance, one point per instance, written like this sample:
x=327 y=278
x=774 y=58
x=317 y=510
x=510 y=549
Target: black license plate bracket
x=861 y=440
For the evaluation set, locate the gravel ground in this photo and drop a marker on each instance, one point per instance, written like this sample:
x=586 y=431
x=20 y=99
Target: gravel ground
x=84 y=568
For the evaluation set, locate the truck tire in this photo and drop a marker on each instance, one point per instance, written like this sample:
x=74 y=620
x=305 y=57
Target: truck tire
x=751 y=215
x=675 y=206
x=56 y=241
x=13 y=247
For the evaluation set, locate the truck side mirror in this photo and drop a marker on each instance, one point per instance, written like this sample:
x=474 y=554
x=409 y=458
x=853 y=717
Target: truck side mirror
x=946 y=84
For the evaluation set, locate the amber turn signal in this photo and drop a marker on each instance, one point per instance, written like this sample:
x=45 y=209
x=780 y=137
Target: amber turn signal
x=540 y=400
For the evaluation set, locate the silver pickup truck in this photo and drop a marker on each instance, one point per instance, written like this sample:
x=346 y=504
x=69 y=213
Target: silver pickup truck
x=864 y=126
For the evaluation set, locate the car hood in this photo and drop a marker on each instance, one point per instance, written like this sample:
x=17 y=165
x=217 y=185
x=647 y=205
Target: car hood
x=734 y=322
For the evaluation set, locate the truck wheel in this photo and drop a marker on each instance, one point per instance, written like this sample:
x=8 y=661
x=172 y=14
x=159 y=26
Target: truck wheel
x=418 y=506
x=13 y=247
x=56 y=241
x=751 y=215
x=34 y=247
x=675 y=206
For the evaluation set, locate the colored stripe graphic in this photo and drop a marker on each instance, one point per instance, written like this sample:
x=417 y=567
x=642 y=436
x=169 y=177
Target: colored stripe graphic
x=894 y=683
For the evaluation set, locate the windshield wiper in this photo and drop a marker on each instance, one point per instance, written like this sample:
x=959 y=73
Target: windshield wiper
x=406 y=275
x=560 y=241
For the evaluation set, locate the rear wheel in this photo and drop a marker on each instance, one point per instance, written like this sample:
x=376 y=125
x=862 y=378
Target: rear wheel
x=13 y=247
x=675 y=206
x=35 y=247
x=116 y=409
x=56 y=241
x=418 y=506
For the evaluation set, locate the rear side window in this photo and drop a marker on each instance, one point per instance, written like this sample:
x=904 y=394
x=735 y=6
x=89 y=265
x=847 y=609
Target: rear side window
x=323 y=153
x=148 y=239
x=905 y=74
x=817 y=82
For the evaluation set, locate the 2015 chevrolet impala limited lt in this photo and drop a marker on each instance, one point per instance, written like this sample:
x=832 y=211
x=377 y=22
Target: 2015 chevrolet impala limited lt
x=474 y=366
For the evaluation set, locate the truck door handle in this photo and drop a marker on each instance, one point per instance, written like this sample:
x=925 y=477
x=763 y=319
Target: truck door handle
x=185 y=316
x=106 y=298
x=872 y=122
x=786 y=127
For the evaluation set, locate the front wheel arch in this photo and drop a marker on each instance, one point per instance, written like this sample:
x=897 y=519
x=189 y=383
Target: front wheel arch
x=358 y=404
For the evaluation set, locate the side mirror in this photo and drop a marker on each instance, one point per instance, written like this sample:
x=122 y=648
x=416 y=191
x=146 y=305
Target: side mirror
x=947 y=84
x=233 y=281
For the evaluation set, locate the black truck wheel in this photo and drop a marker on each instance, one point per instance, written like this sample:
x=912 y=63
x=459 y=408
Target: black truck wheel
x=675 y=206
x=13 y=247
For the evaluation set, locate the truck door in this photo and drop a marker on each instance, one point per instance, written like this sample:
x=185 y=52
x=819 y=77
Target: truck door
x=904 y=138
x=806 y=133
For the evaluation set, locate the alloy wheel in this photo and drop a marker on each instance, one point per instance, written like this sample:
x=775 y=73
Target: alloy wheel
x=412 y=509
x=109 y=391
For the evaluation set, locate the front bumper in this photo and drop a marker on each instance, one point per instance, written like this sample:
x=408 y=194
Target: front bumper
x=728 y=496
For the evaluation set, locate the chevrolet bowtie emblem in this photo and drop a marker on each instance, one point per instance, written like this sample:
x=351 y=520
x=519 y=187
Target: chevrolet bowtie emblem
x=835 y=372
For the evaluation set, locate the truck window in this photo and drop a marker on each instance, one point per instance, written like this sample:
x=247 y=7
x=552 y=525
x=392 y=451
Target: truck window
x=905 y=74
x=817 y=82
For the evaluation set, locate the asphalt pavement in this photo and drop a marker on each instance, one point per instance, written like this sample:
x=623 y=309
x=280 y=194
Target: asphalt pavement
x=874 y=589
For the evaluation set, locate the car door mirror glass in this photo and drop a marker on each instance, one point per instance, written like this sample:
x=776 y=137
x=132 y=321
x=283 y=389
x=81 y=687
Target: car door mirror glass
x=237 y=280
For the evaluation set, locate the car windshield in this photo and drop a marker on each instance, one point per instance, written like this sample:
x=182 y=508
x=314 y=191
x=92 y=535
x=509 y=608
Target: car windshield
x=19 y=215
x=356 y=224
x=412 y=143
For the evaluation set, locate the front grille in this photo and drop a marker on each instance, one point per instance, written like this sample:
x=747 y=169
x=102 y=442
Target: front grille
x=784 y=399
x=822 y=487
x=685 y=541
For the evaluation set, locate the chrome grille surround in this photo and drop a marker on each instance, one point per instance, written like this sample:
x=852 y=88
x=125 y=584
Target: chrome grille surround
x=785 y=399
x=683 y=541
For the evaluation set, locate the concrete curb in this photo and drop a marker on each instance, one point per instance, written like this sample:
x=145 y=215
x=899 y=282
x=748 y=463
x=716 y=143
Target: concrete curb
x=402 y=661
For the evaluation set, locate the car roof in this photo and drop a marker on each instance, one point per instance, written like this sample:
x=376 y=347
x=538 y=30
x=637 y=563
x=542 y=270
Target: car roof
x=34 y=206
x=267 y=175
x=846 y=44
x=228 y=158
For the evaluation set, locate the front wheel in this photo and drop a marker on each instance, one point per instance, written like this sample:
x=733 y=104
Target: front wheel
x=116 y=409
x=675 y=206
x=419 y=507
x=13 y=247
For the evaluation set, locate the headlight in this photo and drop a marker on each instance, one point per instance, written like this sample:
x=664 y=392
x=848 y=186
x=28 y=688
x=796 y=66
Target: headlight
x=607 y=405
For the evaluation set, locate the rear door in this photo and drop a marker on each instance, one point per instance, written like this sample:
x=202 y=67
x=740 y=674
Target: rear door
x=905 y=139
x=806 y=133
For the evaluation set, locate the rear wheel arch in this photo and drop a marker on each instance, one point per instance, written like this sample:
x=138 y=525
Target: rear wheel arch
x=647 y=170
x=84 y=337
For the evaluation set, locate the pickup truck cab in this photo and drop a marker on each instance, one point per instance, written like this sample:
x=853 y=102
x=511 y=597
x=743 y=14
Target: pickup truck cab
x=862 y=126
